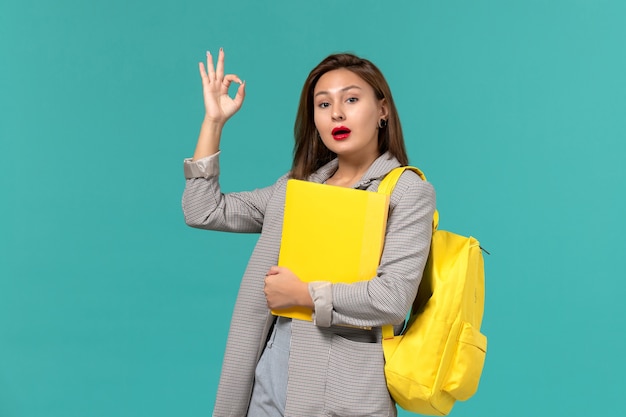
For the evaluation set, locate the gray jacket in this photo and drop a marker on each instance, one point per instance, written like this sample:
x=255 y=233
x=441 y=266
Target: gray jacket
x=333 y=370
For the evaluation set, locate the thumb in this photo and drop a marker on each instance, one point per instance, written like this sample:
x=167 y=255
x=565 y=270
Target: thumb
x=275 y=270
x=241 y=94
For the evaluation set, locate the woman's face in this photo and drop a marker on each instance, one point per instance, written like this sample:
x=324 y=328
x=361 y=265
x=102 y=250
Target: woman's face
x=346 y=114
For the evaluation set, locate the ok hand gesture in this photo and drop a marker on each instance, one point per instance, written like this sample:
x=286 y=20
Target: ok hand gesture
x=219 y=106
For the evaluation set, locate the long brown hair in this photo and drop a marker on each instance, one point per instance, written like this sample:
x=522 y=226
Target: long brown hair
x=309 y=152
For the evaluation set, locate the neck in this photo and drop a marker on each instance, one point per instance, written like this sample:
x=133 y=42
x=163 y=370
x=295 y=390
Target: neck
x=350 y=170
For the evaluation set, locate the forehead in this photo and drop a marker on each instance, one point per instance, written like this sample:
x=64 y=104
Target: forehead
x=340 y=79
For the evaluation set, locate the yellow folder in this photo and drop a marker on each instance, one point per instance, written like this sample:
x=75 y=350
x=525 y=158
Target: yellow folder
x=331 y=234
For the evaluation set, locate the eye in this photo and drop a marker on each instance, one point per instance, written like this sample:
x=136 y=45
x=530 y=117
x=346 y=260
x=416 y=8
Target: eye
x=352 y=100
x=323 y=105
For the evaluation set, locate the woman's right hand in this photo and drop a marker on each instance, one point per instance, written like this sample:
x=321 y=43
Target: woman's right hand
x=219 y=106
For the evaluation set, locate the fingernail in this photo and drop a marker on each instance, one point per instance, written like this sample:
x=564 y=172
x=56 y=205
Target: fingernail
x=208 y=53
x=221 y=49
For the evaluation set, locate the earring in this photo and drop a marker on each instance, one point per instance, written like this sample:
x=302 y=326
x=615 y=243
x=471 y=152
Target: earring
x=382 y=123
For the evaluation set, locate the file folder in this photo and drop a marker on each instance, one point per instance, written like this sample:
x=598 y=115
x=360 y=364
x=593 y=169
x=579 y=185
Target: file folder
x=331 y=234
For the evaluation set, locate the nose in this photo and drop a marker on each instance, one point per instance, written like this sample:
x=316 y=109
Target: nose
x=337 y=114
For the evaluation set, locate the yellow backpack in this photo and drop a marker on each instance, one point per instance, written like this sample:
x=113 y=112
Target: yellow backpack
x=439 y=356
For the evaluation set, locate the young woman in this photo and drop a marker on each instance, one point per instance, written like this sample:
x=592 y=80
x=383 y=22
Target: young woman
x=348 y=134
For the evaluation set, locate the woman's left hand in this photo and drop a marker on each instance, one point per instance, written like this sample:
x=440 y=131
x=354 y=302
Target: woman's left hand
x=283 y=289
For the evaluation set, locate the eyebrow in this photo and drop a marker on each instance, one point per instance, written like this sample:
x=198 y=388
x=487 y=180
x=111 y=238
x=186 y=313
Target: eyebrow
x=343 y=89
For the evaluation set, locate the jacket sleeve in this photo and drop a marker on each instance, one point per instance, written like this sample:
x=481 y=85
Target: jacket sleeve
x=387 y=298
x=206 y=207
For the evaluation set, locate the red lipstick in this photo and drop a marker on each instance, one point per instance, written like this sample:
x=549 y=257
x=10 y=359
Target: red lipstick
x=341 y=133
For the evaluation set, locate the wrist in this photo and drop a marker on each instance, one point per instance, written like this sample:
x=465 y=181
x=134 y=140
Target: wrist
x=305 y=299
x=212 y=125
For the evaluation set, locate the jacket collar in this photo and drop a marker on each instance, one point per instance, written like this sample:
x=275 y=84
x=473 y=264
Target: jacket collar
x=379 y=168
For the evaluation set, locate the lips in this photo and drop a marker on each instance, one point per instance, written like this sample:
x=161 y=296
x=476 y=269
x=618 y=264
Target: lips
x=341 y=133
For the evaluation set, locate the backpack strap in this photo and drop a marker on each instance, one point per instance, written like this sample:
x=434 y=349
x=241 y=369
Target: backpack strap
x=389 y=183
x=386 y=186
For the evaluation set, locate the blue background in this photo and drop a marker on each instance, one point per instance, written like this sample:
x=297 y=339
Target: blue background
x=111 y=306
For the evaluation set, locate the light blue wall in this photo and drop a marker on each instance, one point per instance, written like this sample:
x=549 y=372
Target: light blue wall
x=111 y=306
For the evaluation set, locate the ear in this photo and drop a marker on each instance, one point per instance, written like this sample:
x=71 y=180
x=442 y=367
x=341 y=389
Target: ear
x=384 y=109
